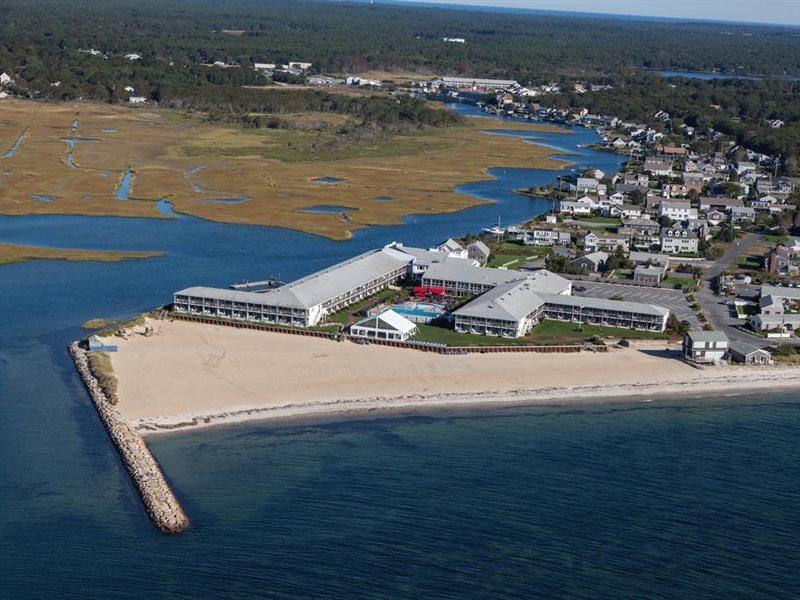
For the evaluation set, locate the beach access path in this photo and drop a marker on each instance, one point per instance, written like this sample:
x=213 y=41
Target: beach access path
x=193 y=374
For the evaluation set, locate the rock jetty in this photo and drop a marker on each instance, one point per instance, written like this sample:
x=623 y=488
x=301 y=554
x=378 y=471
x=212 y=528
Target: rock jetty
x=157 y=497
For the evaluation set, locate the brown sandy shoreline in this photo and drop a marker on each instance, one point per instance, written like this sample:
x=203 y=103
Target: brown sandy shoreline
x=192 y=376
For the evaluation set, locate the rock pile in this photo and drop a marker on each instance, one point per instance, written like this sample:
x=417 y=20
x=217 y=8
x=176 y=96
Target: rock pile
x=156 y=495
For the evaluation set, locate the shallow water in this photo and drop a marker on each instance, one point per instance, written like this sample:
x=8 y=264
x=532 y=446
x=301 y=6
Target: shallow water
x=123 y=192
x=327 y=209
x=680 y=499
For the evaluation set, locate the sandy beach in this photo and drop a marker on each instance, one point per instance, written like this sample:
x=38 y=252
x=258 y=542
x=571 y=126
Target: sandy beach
x=193 y=375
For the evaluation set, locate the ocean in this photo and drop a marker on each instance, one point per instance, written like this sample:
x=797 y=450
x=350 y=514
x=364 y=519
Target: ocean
x=696 y=497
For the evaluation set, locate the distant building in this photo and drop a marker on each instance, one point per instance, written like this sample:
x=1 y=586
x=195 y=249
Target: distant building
x=705 y=346
x=133 y=56
x=475 y=83
x=658 y=166
x=137 y=100
x=5 y=79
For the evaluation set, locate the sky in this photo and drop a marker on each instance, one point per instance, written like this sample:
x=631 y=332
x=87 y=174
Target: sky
x=784 y=12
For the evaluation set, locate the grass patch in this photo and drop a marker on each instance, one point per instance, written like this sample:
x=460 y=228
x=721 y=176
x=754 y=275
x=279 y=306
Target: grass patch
x=607 y=220
x=547 y=332
x=749 y=262
x=10 y=253
x=103 y=371
x=94 y=324
x=565 y=332
x=443 y=335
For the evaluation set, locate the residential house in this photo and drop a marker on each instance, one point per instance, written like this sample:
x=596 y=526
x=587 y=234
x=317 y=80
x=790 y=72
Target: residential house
x=677 y=210
x=780 y=322
x=679 y=240
x=747 y=354
x=741 y=215
x=574 y=207
x=720 y=203
x=593 y=242
x=643 y=275
x=782 y=260
x=586 y=185
x=705 y=346
x=694 y=179
x=626 y=211
x=452 y=248
x=547 y=237
x=592 y=262
x=715 y=217
x=478 y=251
x=5 y=79
x=658 y=166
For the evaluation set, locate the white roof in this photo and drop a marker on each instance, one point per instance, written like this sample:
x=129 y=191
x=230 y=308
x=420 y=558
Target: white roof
x=390 y=320
x=511 y=301
x=319 y=287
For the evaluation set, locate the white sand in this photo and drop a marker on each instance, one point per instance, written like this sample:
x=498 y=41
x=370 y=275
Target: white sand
x=192 y=375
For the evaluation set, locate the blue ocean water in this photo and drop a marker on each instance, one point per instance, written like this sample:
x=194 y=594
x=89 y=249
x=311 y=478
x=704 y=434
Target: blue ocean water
x=658 y=499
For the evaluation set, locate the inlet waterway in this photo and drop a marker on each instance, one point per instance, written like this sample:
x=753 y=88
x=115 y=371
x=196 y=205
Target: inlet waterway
x=690 y=498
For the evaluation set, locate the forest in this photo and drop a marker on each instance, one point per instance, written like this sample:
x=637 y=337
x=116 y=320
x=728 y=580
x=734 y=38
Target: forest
x=740 y=108
x=41 y=43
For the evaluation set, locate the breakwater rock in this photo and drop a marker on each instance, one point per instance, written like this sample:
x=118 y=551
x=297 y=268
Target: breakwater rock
x=157 y=497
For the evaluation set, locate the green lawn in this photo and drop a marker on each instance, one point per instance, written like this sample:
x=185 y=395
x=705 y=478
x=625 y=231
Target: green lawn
x=547 y=332
x=608 y=220
x=750 y=262
x=443 y=335
x=563 y=331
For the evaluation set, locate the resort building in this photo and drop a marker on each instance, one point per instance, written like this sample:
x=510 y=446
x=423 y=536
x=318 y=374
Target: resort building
x=513 y=308
x=460 y=280
x=705 y=346
x=386 y=326
x=508 y=310
x=305 y=302
x=609 y=313
x=473 y=83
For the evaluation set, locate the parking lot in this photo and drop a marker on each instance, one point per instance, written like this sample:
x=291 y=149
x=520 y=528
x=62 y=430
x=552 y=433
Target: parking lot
x=674 y=300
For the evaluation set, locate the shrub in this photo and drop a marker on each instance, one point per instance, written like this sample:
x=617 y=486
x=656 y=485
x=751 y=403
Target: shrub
x=103 y=371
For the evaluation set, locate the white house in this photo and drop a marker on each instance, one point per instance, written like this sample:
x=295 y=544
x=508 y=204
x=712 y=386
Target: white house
x=388 y=325
x=133 y=56
x=679 y=240
x=677 y=210
x=137 y=100
x=5 y=78
x=451 y=248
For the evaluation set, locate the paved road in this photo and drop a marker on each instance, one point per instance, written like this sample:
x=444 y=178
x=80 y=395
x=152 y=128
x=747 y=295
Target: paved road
x=716 y=307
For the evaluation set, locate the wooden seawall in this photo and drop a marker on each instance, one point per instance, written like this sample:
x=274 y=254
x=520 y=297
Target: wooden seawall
x=157 y=497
